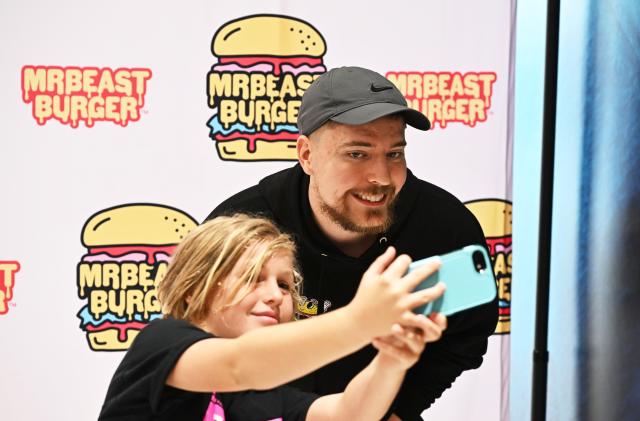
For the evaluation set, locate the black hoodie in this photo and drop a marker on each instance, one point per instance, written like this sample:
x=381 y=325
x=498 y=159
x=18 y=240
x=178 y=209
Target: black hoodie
x=428 y=221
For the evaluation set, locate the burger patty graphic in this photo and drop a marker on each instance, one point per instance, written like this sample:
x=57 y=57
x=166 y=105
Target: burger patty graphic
x=128 y=250
x=266 y=62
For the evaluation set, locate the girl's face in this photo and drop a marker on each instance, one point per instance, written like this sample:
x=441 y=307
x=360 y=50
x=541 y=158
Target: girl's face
x=268 y=304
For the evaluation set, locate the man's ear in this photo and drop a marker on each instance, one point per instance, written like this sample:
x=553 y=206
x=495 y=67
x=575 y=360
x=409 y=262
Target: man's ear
x=304 y=153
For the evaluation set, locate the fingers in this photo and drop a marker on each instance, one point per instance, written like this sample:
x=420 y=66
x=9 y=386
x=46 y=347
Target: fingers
x=380 y=264
x=387 y=284
x=415 y=321
x=433 y=332
x=404 y=345
x=398 y=267
x=413 y=339
x=424 y=296
x=397 y=329
x=393 y=340
x=412 y=279
x=431 y=327
x=383 y=345
x=405 y=336
x=439 y=319
x=397 y=352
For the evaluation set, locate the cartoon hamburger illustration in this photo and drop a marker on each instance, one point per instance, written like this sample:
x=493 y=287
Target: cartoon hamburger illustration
x=128 y=250
x=495 y=217
x=266 y=62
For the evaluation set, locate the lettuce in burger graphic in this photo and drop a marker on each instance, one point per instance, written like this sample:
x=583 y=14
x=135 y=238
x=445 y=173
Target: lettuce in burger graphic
x=265 y=63
x=128 y=250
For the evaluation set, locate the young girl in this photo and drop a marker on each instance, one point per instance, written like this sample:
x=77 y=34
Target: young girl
x=206 y=360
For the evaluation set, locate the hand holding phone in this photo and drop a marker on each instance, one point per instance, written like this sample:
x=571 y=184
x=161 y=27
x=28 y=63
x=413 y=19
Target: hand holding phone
x=468 y=276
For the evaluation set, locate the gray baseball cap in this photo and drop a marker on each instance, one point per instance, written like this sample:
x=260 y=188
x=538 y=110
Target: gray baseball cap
x=353 y=95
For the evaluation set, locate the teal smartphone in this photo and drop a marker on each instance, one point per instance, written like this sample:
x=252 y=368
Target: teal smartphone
x=468 y=276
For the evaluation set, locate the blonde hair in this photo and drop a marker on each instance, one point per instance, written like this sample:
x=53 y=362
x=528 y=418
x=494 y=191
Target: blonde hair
x=197 y=280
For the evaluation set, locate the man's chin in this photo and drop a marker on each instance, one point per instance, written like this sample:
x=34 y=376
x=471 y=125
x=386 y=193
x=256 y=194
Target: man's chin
x=369 y=223
x=375 y=230
x=368 y=226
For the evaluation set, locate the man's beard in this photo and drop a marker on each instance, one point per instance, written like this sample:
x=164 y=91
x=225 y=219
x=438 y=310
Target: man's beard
x=340 y=214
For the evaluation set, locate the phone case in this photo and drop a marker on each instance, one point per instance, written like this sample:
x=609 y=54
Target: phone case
x=466 y=286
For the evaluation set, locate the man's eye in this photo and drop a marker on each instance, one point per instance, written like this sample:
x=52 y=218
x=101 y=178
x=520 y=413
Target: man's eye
x=356 y=155
x=395 y=155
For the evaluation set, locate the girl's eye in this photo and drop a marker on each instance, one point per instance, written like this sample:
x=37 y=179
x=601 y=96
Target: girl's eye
x=284 y=285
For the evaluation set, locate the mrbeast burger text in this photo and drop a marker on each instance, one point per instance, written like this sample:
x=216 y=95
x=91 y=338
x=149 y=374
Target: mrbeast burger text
x=447 y=97
x=128 y=254
x=8 y=271
x=72 y=94
x=266 y=62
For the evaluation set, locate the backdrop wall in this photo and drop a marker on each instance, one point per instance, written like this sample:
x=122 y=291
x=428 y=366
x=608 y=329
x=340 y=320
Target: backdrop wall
x=131 y=105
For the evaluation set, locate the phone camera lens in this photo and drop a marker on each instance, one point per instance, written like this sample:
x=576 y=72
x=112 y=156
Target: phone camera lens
x=479 y=261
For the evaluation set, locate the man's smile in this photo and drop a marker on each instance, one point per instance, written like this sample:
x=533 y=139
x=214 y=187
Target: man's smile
x=370 y=199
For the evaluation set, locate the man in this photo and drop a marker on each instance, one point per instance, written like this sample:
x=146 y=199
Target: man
x=349 y=198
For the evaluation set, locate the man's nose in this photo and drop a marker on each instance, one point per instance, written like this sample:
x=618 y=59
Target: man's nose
x=378 y=172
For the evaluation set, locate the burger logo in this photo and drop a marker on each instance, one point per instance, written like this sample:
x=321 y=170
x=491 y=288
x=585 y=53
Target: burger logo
x=128 y=249
x=8 y=271
x=494 y=216
x=446 y=97
x=265 y=63
x=89 y=94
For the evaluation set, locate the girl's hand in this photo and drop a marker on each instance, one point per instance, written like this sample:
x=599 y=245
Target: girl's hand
x=385 y=294
x=403 y=347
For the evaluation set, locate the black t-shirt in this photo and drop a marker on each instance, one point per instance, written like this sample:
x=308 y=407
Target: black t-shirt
x=138 y=390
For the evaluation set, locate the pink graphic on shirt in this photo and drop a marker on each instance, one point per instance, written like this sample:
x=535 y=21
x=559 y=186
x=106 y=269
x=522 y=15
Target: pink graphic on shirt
x=215 y=411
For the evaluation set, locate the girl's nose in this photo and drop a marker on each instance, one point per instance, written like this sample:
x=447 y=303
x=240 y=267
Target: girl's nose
x=272 y=292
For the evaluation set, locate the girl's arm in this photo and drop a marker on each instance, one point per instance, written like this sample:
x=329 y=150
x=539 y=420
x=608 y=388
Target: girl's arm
x=369 y=395
x=267 y=357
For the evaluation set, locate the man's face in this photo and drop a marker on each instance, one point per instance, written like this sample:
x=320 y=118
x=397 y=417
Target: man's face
x=357 y=171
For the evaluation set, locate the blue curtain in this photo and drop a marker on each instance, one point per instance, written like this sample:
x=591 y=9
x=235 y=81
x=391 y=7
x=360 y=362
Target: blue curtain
x=608 y=274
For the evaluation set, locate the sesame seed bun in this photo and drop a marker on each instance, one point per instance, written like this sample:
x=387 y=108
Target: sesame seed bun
x=268 y=35
x=494 y=216
x=137 y=224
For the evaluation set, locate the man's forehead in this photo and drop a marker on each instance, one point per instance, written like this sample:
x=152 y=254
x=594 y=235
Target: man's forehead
x=345 y=143
x=387 y=131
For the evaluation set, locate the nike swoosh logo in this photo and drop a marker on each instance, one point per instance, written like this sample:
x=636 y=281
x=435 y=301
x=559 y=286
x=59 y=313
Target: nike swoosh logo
x=375 y=88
